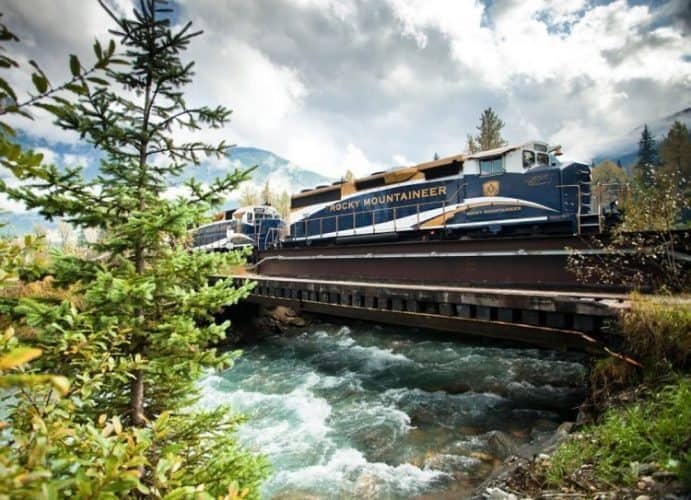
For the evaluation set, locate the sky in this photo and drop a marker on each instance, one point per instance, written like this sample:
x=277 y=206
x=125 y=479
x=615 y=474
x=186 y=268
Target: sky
x=367 y=84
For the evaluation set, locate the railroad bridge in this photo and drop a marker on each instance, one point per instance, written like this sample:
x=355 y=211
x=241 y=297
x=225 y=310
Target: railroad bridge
x=517 y=289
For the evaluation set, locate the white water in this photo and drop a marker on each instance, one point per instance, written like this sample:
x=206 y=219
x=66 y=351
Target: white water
x=372 y=412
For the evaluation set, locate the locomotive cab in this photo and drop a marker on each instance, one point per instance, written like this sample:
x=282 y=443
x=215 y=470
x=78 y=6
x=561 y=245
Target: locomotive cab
x=514 y=159
x=257 y=226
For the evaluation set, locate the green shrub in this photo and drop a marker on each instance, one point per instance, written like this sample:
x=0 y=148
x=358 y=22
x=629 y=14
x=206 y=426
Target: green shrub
x=652 y=431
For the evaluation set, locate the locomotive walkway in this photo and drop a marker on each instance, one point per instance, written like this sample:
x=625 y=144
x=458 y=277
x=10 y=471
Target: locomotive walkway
x=553 y=319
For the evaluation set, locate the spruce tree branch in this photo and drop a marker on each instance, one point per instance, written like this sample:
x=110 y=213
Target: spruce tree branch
x=34 y=99
x=163 y=124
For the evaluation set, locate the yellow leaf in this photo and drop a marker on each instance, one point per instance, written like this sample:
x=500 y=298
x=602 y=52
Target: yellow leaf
x=60 y=384
x=9 y=333
x=102 y=419
x=107 y=430
x=117 y=425
x=18 y=357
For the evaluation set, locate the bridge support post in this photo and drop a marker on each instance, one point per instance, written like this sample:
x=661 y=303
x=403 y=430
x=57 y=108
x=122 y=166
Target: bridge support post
x=483 y=312
x=464 y=310
x=412 y=306
x=446 y=309
x=505 y=314
x=530 y=317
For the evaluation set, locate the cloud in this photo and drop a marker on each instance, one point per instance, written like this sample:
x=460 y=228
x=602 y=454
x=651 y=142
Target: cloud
x=332 y=85
x=355 y=160
x=49 y=32
x=400 y=160
x=13 y=206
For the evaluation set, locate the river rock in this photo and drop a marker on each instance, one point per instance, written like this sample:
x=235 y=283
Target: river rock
x=544 y=425
x=562 y=432
x=450 y=464
x=485 y=457
x=366 y=486
x=498 y=494
x=277 y=319
x=500 y=444
x=458 y=388
x=467 y=430
x=644 y=469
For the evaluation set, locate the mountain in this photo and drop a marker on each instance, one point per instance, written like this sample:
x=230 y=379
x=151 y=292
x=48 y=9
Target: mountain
x=282 y=174
x=625 y=148
x=276 y=169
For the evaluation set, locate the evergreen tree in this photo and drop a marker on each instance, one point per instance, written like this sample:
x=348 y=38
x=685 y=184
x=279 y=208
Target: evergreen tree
x=470 y=145
x=489 y=129
x=647 y=158
x=349 y=176
x=266 y=193
x=675 y=151
x=138 y=338
x=436 y=156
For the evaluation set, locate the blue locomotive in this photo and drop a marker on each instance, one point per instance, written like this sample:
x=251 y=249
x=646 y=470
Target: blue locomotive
x=258 y=227
x=515 y=189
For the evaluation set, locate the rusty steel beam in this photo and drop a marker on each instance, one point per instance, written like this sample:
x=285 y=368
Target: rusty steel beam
x=529 y=262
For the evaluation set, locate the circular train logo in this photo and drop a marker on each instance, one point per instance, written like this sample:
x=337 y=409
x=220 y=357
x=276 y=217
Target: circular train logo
x=490 y=188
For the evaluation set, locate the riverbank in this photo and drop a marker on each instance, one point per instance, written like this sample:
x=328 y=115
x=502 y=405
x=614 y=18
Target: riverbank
x=633 y=439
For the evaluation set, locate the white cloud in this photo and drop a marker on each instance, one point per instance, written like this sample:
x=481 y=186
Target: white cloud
x=355 y=160
x=11 y=205
x=75 y=160
x=49 y=156
x=176 y=192
x=400 y=160
x=333 y=85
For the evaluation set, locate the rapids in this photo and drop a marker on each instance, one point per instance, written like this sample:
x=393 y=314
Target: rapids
x=366 y=411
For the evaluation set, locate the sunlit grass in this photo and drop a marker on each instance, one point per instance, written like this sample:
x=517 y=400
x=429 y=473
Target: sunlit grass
x=652 y=431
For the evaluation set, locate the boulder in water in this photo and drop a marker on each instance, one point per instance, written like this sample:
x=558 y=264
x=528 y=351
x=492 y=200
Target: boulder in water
x=501 y=444
x=366 y=486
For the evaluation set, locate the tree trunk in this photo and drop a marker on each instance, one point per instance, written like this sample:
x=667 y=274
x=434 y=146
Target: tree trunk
x=137 y=400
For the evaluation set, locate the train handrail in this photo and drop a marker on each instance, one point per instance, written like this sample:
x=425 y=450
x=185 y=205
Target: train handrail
x=272 y=230
x=578 y=207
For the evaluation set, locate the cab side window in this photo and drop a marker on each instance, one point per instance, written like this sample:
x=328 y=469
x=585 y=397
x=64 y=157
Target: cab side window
x=543 y=160
x=491 y=166
x=528 y=159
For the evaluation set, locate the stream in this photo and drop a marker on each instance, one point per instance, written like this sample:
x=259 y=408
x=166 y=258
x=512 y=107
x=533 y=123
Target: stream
x=380 y=412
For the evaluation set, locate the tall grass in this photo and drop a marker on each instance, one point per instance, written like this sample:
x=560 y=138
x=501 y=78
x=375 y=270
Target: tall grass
x=658 y=334
x=653 y=431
